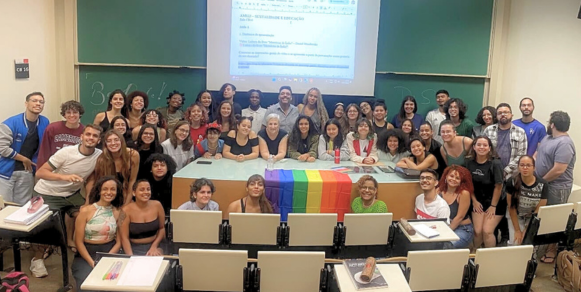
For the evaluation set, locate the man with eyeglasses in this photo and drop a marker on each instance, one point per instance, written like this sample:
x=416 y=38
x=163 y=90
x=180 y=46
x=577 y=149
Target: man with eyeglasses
x=509 y=140
x=20 y=137
x=429 y=205
x=534 y=129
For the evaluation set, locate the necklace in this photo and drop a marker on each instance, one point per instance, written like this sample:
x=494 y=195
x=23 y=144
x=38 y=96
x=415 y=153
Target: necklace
x=367 y=206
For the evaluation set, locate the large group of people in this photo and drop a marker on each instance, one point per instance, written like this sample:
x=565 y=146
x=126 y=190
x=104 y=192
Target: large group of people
x=476 y=174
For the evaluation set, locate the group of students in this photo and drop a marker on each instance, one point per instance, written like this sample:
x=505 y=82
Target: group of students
x=126 y=160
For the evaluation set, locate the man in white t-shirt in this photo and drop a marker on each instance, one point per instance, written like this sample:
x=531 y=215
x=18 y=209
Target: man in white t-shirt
x=429 y=205
x=437 y=115
x=255 y=110
x=61 y=180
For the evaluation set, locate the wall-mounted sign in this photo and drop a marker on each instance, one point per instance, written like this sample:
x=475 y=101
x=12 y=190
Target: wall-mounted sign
x=21 y=68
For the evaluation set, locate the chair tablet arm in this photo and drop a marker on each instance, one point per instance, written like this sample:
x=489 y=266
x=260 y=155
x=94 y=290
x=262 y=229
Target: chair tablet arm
x=221 y=235
x=248 y=278
x=324 y=278
x=179 y=278
x=169 y=229
x=530 y=273
x=571 y=222
x=256 y=284
x=466 y=277
x=532 y=230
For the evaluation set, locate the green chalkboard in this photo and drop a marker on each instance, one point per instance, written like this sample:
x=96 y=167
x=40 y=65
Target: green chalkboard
x=421 y=36
x=146 y=32
x=435 y=36
x=96 y=82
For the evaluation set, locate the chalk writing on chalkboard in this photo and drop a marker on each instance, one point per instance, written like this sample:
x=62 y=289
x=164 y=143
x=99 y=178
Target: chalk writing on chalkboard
x=425 y=97
x=99 y=97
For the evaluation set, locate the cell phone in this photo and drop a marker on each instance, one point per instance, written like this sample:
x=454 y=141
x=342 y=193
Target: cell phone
x=204 y=162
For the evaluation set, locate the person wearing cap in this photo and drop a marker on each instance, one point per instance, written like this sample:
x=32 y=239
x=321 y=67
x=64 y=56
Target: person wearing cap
x=212 y=145
x=287 y=112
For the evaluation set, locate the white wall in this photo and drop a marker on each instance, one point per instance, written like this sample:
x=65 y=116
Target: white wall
x=35 y=30
x=542 y=60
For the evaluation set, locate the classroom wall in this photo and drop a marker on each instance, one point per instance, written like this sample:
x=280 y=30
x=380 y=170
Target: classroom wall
x=35 y=30
x=542 y=60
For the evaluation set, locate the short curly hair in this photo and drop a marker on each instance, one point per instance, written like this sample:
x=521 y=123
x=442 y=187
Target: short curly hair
x=365 y=178
x=492 y=112
x=72 y=105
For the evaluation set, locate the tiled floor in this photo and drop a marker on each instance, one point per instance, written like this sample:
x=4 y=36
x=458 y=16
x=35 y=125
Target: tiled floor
x=542 y=283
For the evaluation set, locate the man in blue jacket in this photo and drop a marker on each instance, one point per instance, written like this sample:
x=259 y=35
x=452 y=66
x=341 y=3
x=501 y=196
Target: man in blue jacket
x=20 y=138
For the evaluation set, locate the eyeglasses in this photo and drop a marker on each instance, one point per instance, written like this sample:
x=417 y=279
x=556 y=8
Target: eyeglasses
x=525 y=165
x=503 y=113
x=368 y=188
x=428 y=178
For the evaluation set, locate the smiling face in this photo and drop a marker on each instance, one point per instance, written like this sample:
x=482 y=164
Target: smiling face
x=453 y=110
x=138 y=103
x=159 y=169
x=35 y=104
x=453 y=179
x=409 y=107
x=108 y=192
x=363 y=130
x=254 y=98
x=152 y=118
x=113 y=143
x=273 y=126
x=428 y=181
x=196 y=114
x=213 y=135
x=482 y=148
x=487 y=117
x=255 y=188
x=204 y=195
x=206 y=99
x=392 y=144
x=148 y=136
x=367 y=191
x=176 y=101
x=425 y=132
x=339 y=112
x=120 y=126
x=245 y=127
x=304 y=126
x=226 y=110
x=117 y=102
x=447 y=132
x=312 y=97
x=72 y=116
x=406 y=127
x=182 y=132
x=365 y=107
x=332 y=131
x=143 y=192
x=90 y=137
x=379 y=113
x=417 y=148
x=285 y=96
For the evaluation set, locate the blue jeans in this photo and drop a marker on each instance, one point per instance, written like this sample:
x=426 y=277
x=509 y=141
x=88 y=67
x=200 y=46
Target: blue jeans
x=466 y=234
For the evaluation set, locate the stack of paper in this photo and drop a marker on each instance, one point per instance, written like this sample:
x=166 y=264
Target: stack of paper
x=426 y=231
x=140 y=271
x=22 y=217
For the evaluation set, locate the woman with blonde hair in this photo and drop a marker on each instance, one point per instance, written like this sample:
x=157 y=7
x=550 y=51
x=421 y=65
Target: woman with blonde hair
x=314 y=108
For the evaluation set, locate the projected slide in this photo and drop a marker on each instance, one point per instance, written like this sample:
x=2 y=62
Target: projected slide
x=265 y=44
x=290 y=39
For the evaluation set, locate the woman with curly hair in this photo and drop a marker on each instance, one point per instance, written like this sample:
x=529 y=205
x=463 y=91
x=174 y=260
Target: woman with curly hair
x=152 y=117
x=456 y=110
x=456 y=188
x=361 y=144
x=367 y=201
x=197 y=117
x=391 y=146
x=255 y=200
x=314 y=107
x=485 y=117
x=137 y=103
x=172 y=113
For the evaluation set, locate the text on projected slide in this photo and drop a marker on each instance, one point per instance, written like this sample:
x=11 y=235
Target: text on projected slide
x=295 y=38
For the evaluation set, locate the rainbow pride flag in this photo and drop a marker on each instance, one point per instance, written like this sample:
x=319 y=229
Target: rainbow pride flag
x=308 y=191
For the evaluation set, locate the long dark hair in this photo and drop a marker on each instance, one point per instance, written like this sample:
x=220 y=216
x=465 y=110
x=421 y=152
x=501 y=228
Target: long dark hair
x=414 y=132
x=213 y=103
x=338 y=141
x=295 y=135
x=116 y=91
x=155 y=146
x=231 y=119
x=462 y=108
x=95 y=194
x=263 y=202
x=517 y=182
x=401 y=115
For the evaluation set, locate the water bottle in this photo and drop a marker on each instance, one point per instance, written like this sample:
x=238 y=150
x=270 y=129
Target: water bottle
x=270 y=162
x=337 y=156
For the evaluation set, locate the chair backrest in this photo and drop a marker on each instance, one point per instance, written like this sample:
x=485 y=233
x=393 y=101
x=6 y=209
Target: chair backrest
x=367 y=229
x=290 y=271
x=502 y=265
x=575 y=195
x=213 y=270
x=311 y=229
x=191 y=226
x=437 y=269
x=554 y=218
x=578 y=211
x=254 y=228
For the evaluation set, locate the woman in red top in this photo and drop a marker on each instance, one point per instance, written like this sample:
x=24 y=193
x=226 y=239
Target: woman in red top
x=197 y=116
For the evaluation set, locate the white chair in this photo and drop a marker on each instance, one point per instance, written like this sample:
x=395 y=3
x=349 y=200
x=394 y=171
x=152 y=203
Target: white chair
x=367 y=229
x=554 y=218
x=290 y=271
x=191 y=226
x=575 y=194
x=437 y=269
x=254 y=228
x=311 y=229
x=213 y=270
x=502 y=265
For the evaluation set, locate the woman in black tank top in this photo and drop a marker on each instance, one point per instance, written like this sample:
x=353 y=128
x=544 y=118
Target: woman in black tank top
x=255 y=200
x=456 y=188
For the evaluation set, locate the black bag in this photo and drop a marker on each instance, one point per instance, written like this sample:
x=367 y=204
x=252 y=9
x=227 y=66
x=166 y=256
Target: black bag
x=407 y=173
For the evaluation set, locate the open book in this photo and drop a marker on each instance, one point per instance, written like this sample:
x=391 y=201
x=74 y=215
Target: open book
x=354 y=267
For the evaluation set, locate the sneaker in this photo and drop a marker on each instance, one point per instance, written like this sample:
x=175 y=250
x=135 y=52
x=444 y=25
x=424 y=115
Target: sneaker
x=37 y=268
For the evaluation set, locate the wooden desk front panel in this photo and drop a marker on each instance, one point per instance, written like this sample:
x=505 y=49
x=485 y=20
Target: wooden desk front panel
x=399 y=197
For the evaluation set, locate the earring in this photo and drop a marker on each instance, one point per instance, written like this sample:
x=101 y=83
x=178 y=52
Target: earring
x=446 y=180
